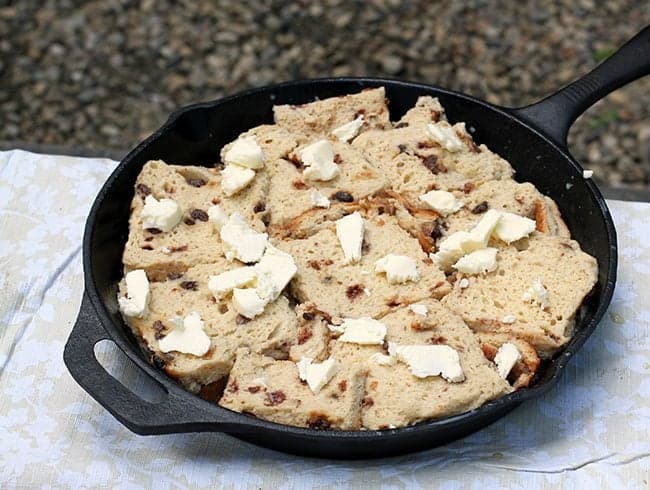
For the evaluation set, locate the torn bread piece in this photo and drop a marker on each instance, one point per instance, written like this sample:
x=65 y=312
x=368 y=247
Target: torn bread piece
x=284 y=398
x=271 y=333
x=415 y=163
x=193 y=240
x=426 y=110
x=274 y=141
x=429 y=397
x=338 y=288
x=548 y=218
x=502 y=195
x=567 y=273
x=323 y=116
x=290 y=192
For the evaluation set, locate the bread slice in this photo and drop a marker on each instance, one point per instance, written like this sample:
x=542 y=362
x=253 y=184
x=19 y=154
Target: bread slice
x=272 y=390
x=271 y=333
x=276 y=143
x=290 y=193
x=503 y=195
x=524 y=370
x=414 y=163
x=322 y=116
x=194 y=239
x=567 y=273
x=355 y=290
x=426 y=110
x=507 y=195
x=384 y=403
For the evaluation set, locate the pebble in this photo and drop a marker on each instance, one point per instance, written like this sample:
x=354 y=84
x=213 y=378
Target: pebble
x=108 y=73
x=392 y=64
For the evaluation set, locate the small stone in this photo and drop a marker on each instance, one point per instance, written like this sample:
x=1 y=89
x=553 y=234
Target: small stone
x=109 y=130
x=392 y=64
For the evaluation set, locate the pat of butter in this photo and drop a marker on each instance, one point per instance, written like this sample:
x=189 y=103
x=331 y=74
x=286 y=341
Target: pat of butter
x=234 y=178
x=442 y=202
x=363 y=331
x=349 y=231
x=445 y=136
x=505 y=226
x=399 y=269
x=318 y=159
x=217 y=216
x=429 y=360
x=450 y=249
x=265 y=287
x=162 y=215
x=247 y=302
x=317 y=375
x=137 y=294
x=512 y=227
x=222 y=284
x=318 y=200
x=478 y=262
x=537 y=293
x=240 y=241
x=382 y=359
x=349 y=130
x=481 y=233
x=267 y=279
x=418 y=309
x=245 y=152
x=279 y=267
x=509 y=319
x=505 y=359
x=188 y=336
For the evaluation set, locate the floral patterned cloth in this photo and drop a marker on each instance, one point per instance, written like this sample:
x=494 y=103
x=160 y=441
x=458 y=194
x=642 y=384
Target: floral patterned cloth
x=591 y=431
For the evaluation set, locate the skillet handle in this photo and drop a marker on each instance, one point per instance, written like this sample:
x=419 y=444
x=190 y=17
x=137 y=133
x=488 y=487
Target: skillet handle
x=555 y=114
x=177 y=412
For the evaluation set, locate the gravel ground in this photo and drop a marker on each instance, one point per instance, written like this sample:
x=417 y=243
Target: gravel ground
x=103 y=75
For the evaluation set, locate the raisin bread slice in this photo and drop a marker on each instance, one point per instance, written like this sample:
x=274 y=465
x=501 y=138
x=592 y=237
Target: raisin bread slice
x=433 y=397
x=355 y=290
x=503 y=195
x=271 y=333
x=290 y=194
x=276 y=143
x=414 y=163
x=194 y=239
x=272 y=390
x=489 y=300
x=321 y=117
x=426 y=110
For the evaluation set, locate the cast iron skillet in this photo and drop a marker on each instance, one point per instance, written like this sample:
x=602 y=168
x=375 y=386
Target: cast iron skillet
x=532 y=139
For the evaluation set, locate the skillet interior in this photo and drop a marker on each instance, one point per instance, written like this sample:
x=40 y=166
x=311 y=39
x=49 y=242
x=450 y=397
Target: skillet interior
x=194 y=136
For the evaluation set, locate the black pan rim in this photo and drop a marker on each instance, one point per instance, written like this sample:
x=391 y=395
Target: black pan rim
x=511 y=400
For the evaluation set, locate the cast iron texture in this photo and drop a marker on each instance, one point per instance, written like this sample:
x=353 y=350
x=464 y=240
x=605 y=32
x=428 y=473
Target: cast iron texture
x=532 y=139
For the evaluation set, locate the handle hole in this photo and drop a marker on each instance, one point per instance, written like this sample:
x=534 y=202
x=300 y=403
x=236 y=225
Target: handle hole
x=118 y=365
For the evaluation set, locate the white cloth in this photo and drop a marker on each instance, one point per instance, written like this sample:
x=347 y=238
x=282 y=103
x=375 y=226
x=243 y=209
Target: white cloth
x=590 y=431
